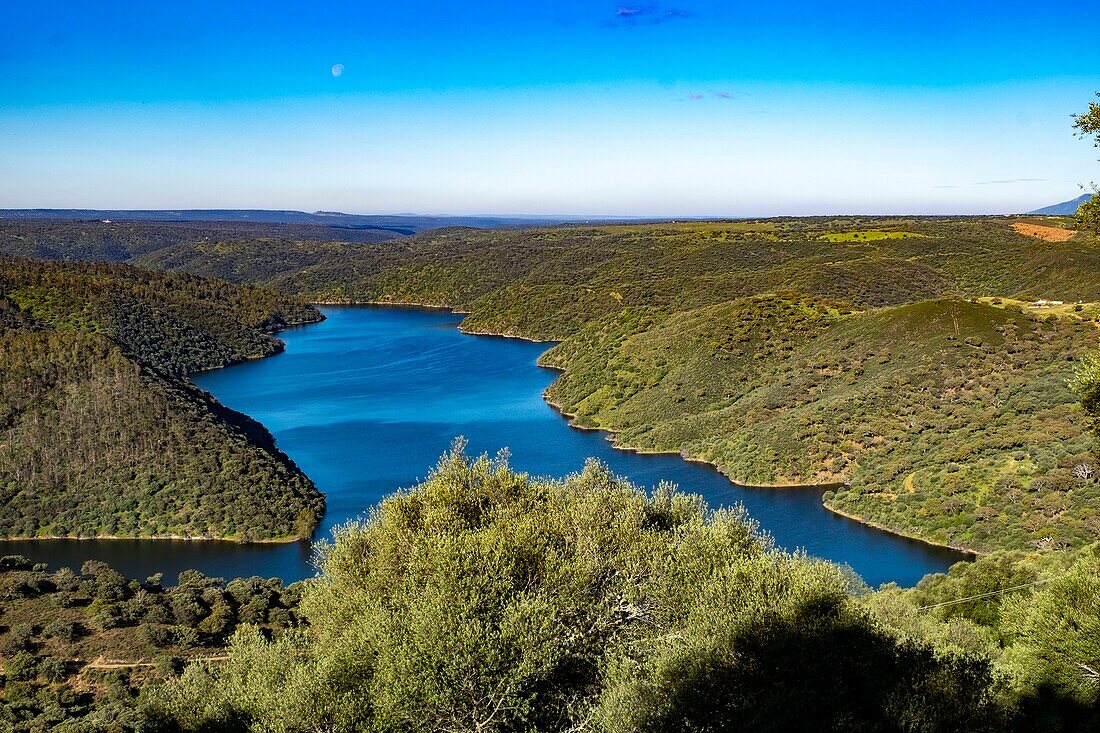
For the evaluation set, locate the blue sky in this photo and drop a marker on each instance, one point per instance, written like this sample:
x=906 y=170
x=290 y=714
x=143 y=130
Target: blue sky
x=613 y=108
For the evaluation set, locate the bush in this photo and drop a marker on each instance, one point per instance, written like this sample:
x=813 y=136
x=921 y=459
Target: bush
x=52 y=669
x=63 y=630
x=484 y=600
x=21 y=667
x=157 y=635
x=15 y=562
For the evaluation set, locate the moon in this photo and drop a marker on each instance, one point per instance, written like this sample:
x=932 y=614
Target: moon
x=337 y=69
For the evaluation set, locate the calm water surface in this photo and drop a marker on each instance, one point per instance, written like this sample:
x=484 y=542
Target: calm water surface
x=368 y=400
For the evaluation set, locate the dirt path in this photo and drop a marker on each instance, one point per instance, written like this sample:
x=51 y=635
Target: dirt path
x=103 y=663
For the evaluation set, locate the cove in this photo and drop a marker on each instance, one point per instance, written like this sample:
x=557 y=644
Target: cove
x=365 y=403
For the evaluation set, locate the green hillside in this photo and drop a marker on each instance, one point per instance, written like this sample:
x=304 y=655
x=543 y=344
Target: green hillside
x=544 y=283
x=949 y=420
x=94 y=238
x=100 y=432
x=801 y=351
x=783 y=350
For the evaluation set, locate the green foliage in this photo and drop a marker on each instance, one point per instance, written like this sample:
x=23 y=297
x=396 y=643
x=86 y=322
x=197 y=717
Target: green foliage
x=102 y=435
x=1088 y=125
x=1088 y=214
x=1055 y=633
x=485 y=600
x=1035 y=617
x=42 y=664
x=1087 y=386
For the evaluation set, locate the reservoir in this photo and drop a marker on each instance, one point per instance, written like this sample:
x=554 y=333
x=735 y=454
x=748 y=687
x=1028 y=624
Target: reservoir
x=368 y=400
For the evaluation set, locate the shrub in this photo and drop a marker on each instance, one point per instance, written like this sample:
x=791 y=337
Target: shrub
x=484 y=600
x=21 y=667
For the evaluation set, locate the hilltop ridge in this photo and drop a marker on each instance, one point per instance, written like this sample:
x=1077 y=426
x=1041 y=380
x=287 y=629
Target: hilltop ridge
x=103 y=435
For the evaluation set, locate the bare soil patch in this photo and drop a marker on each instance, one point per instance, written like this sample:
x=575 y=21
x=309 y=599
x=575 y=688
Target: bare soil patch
x=1047 y=234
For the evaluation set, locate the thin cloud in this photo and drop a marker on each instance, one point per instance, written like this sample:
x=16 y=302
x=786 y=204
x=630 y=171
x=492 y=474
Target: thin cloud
x=1012 y=180
x=653 y=14
x=717 y=95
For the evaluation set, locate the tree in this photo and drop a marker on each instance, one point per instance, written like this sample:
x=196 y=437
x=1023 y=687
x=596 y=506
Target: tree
x=1088 y=125
x=1056 y=646
x=485 y=601
x=1087 y=386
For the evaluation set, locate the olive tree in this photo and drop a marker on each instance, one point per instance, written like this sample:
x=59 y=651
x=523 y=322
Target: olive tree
x=1088 y=125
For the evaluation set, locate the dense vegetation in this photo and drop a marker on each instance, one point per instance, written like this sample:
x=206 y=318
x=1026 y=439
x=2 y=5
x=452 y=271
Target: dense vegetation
x=903 y=357
x=484 y=600
x=1088 y=125
x=784 y=351
x=100 y=432
x=77 y=647
x=544 y=283
x=964 y=432
x=129 y=241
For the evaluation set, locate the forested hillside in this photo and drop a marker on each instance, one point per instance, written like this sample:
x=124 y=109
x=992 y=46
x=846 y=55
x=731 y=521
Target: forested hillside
x=905 y=357
x=544 y=283
x=100 y=432
x=948 y=420
x=127 y=241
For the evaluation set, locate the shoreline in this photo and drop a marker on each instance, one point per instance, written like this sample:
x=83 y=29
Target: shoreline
x=884 y=528
x=612 y=439
x=154 y=538
x=281 y=349
x=823 y=487
x=430 y=307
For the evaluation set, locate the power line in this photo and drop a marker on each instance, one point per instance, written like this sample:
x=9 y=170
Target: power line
x=990 y=594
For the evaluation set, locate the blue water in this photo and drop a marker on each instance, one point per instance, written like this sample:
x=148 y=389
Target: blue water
x=368 y=400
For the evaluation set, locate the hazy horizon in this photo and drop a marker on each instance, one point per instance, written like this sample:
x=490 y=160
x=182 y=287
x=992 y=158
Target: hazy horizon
x=520 y=215
x=651 y=109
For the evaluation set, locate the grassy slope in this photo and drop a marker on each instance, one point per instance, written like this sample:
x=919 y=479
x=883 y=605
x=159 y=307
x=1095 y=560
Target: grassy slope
x=940 y=414
x=822 y=391
x=100 y=432
x=951 y=420
x=130 y=241
x=545 y=282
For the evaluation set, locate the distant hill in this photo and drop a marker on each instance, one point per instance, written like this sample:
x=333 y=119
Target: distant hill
x=399 y=223
x=795 y=351
x=1066 y=208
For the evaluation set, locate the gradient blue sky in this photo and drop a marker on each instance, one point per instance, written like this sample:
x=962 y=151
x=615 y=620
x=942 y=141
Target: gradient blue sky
x=615 y=108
